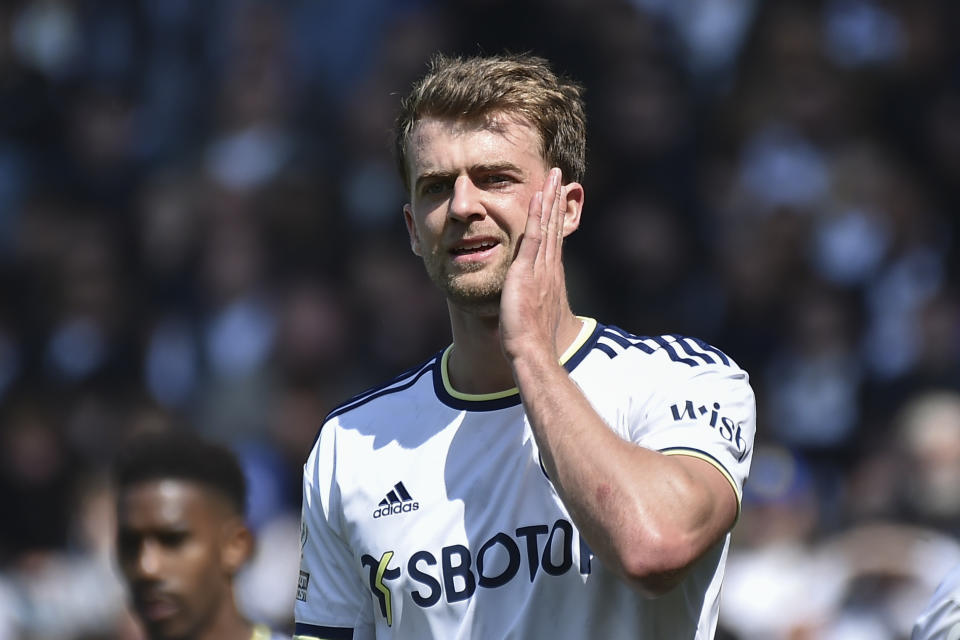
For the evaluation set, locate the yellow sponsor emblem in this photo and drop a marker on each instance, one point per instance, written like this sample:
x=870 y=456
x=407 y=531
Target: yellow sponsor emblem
x=382 y=588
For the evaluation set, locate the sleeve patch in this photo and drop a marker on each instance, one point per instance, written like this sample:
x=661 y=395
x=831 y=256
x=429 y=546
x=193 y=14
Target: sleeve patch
x=713 y=417
x=302 y=583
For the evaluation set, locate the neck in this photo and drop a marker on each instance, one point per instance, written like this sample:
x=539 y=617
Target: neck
x=477 y=363
x=227 y=624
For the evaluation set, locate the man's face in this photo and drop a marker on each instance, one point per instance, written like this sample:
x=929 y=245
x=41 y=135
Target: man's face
x=471 y=185
x=171 y=543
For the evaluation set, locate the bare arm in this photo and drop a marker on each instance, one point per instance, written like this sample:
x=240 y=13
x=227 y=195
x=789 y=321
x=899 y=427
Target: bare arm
x=646 y=515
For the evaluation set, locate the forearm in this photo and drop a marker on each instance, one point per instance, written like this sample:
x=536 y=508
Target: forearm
x=643 y=513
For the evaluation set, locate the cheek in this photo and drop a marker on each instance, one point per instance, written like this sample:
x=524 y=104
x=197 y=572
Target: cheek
x=433 y=222
x=513 y=211
x=429 y=231
x=200 y=569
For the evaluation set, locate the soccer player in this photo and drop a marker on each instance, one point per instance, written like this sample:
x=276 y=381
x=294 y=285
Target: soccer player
x=546 y=475
x=941 y=619
x=181 y=537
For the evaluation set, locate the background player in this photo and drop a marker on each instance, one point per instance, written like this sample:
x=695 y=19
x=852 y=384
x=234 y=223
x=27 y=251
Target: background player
x=539 y=437
x=181 y=537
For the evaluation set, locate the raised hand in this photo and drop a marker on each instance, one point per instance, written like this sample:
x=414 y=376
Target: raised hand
x=534 y=296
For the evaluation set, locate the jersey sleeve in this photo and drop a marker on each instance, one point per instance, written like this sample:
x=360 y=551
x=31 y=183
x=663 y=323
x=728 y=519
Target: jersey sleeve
x=332 y=601
x=941 y=619
x=707 y=412
x=939 y=623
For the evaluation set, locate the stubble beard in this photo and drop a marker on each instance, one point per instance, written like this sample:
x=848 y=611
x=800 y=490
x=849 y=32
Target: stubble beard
x=476 y=291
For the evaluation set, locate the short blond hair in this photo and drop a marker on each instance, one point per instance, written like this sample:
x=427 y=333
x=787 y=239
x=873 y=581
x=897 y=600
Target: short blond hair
x=476 y=88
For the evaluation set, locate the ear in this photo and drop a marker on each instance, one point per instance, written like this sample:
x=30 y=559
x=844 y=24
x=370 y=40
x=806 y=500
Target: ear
x=237 y=547
x=573 y=193
x=412 y=229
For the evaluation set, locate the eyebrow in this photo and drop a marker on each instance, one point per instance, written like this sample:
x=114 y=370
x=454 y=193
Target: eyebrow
x=478 y=168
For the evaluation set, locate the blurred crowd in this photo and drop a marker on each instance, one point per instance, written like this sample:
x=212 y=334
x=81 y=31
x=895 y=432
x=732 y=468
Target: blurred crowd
x=200 y=226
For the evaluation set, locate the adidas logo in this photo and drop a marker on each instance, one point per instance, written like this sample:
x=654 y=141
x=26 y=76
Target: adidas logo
x=397 y=501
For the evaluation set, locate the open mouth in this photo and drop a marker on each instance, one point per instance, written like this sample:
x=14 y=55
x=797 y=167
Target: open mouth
x=473 y=248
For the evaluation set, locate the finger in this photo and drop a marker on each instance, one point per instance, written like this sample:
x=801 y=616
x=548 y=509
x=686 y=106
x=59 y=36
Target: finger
x=549 y=197
x=546 y=207
x=554 y=217
x=532 y=238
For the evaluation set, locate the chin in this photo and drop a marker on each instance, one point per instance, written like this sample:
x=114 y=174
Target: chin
x=167 y=630
x=480 y=298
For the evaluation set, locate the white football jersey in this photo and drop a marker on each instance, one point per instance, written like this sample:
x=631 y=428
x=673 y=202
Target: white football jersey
x=427 y=512
x=941 y=619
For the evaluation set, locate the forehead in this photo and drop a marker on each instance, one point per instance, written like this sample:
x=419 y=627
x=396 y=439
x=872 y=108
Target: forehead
x=165 y=503
x=448 y=143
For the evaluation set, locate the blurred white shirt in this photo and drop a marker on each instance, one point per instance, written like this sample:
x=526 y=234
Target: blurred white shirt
x=941 y=619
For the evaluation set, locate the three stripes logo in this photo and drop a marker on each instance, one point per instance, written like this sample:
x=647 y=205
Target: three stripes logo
x=398 y=500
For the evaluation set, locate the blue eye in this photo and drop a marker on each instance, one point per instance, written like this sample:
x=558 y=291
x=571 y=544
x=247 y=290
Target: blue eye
x=434 y=188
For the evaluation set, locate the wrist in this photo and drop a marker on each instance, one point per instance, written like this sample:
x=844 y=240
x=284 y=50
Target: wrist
x=534 y=364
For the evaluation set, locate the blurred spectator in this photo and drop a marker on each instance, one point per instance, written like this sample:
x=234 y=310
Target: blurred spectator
x=928 y=428
x=786 y=580
x=37 y=468
x=774 y=563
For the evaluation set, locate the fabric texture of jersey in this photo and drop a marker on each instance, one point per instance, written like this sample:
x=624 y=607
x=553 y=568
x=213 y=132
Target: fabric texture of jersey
x=427 y=512
x=941 y=619
x=263 y=632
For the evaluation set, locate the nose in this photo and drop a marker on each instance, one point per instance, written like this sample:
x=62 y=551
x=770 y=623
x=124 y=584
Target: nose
x=148 y=562
x=465 y=202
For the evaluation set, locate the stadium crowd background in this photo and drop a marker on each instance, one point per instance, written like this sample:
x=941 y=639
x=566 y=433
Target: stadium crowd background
x=200 y=225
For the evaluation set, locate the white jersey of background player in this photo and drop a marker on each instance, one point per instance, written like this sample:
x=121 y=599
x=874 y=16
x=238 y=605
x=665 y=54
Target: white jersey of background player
x=941 y=619
x=547 y=474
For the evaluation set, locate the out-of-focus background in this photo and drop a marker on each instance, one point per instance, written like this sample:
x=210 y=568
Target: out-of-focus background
x=200 y=225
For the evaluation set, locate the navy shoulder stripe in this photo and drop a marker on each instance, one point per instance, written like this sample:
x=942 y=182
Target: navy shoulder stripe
x=674 y=355
x=607 y=350
x=617 y=337
x=707 y=348
x=403 y=381
x=626 y=340
x=692 y=350
x=399 y=383
x=683 y=349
